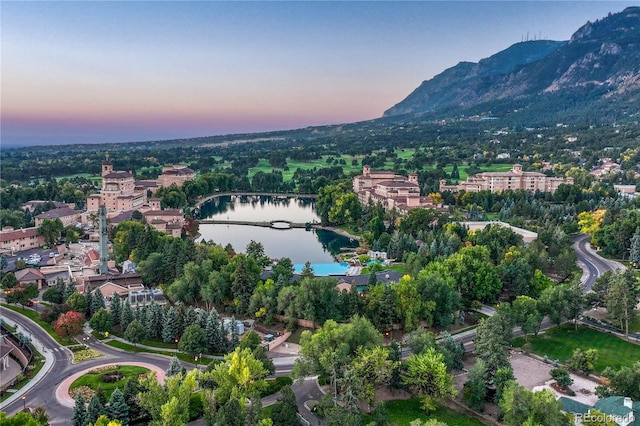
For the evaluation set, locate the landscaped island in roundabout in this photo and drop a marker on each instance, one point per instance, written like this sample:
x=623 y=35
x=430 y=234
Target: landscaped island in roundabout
x=107 y=378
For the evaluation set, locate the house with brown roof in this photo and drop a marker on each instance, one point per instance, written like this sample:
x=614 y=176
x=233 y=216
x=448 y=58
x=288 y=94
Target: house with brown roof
x=92 y=282
x=66 y=215
x=31 y=276
x=15 y=240
x=33 y=204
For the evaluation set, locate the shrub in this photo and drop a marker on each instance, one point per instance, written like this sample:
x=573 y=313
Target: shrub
x=111 y=377
x=274 y=385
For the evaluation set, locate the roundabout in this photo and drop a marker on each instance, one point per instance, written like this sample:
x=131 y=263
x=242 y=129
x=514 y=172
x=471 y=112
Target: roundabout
x=62 y=391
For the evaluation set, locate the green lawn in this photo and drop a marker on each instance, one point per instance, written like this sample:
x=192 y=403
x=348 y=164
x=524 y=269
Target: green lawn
x=93 y=380
x=462 y=169
x=36 y=317
x=559 y=343
x=403 y=412
x=181 y=356
x=287 y=175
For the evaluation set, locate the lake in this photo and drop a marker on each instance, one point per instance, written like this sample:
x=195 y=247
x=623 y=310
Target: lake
x=300 y=245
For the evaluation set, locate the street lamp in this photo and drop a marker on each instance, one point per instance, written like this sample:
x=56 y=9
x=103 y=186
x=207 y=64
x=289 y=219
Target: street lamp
x=196 y=362
x=35 y=303
x=24 y=402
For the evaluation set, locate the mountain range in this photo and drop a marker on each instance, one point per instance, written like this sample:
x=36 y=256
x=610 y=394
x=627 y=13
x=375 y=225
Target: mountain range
x=598 y=68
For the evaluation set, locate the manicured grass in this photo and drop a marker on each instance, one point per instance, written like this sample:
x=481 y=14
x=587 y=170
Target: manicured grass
x=36 y=318
x=559 y=343
x=403 y=412
x=462 y=169
x=181 y=356
x=287 y=175
x=93 y=380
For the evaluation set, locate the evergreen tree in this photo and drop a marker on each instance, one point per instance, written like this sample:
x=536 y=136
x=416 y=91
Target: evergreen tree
x=141 y=313
x=373 y=280
x=130 y=393
x=68 y=290
x=190 y=317
x=235 y=339
x=97 y=302
x=95 y=409
x=285 y=411
x=115 y=307
x=230 y=414
x=307 y=271
x=180 y=320
x=118 y=408
x=203 y=316
x=89 y=299
x=475 y=390
x=175 y=367
x=79 y=411
x=634 y=250
x=215 y=337
x=153 y=321
x=126 y=316
x=169 y=326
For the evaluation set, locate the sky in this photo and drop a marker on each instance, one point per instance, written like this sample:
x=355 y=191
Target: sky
x=123 y=71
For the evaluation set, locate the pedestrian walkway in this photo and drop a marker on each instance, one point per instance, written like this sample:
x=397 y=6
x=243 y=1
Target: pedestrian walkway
x=62 y=391
x=48 y=364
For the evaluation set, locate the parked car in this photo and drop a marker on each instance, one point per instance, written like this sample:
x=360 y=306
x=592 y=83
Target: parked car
x=29 y=303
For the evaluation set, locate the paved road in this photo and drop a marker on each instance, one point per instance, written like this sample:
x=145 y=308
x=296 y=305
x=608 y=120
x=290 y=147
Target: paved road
x=591 y=263
x=41 y=391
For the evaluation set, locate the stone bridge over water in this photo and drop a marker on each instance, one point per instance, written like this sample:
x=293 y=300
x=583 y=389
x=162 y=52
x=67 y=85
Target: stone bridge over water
x=275 y=224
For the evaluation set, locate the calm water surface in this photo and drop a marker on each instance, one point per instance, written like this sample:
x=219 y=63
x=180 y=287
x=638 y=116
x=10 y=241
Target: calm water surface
x=297 y=244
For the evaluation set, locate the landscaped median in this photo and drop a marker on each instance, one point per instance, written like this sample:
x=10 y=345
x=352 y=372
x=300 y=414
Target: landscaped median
x=181 y=356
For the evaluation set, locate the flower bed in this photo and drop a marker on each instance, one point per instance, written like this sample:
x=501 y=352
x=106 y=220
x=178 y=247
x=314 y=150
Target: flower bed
x=85 y=354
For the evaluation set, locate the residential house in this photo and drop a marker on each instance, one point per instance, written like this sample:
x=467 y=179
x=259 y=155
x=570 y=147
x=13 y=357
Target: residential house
x=31 y=276
x=618 y=409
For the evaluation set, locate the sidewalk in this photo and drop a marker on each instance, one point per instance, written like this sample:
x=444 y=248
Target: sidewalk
x=62 y=391
x=48 y=364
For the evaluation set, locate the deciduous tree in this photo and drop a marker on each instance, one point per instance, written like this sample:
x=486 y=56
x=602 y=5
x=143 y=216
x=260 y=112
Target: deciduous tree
x=101 y=321
x=136 y=332
x=427 y=377
x=69 y=324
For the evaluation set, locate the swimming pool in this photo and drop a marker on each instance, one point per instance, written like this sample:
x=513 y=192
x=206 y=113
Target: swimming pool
x=324 y=269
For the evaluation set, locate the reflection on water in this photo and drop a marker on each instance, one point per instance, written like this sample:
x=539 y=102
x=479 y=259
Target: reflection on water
x=317 y=246
x=259 y=209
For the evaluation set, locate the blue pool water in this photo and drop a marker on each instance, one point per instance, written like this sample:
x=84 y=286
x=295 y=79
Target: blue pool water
x=324 y=269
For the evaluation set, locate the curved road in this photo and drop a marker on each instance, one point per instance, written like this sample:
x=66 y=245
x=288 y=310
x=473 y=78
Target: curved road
x=42 y=390
x=591 y=263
